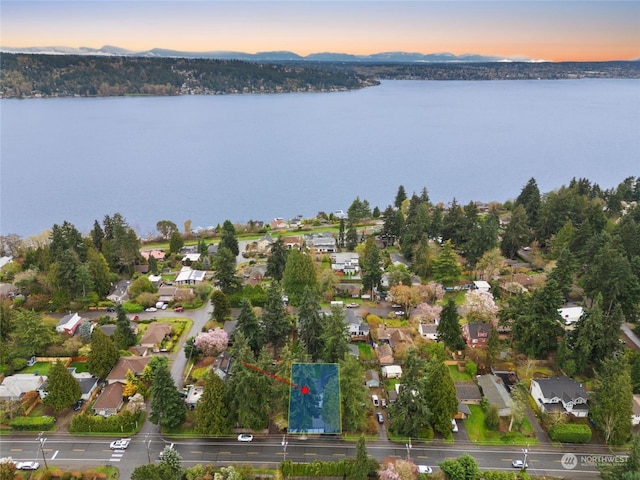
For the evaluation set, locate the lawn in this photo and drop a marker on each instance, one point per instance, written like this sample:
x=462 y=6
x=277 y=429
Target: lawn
x=459 y=376
x=478 y=432
x=42 y=368
x=365 y=351
x=79 y=366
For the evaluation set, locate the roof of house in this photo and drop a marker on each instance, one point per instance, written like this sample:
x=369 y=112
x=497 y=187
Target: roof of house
x=124 y=364
x=229 y=327
x=156 y=333
x=111 y=397
x=564 y=388
x=353 y=349
x=370 y=375
x=428 y=328
x=478 y=330
x=495 y=392
x=69 y=321
x=464 y=408
x=385 y=353
x=468 y=391
x=187 y=274
x=14 y=386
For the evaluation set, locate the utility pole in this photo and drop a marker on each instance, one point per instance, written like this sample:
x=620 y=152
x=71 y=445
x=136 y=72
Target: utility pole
x=284 y=446
x=525 y=451
x=42 y=440
x=409 y=447
x=147 y=443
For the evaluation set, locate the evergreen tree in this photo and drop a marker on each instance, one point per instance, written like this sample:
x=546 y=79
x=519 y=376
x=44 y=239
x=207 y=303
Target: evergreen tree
x=342 y=231
x=277 y=260
x=299 y=273
x=103 y=356
x=401 y=196
x=611 y=406
x=446 y=268
x=221 y=306
x=176 y=242
x=124 y=337
x=448 y=330
x=229 y=239
x=167 y=407
x=62 y=389
x=335 y=336
x=153 y=265
x=360 y=470
x=372 y=272
x=224 y=265
x=211 y=410
x=531 y=200
x=453 y=225
x=249 y=326
x=516 y=234
x=275 y=319
x=410 y=413
x=97 y=235
x=310 y=325
x=441 y=396
x=352 y=395
x=352 y=237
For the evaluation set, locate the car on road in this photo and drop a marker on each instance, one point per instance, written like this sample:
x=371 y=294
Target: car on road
x=380 y=418
x=151 y=309
x=111 y=309
x=135 y=318
x=121 y=444
x=424 y=469
x=374 y=399
x=245 y=437
x=178 y=309
x=518 y=464
x=399 y=313
x=352 y=305
x=27 y=465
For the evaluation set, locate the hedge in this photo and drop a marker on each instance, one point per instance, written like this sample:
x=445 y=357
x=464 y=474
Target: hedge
x=123 y=423
x=43 y=423
x=570 y=433
x=317 y=468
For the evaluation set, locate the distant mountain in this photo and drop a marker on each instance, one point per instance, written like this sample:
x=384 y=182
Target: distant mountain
x=282 y=56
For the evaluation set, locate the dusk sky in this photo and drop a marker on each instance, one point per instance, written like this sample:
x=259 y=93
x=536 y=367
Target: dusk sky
x=541 y=29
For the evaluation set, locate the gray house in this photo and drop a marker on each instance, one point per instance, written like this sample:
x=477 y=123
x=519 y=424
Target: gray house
x=496 y=393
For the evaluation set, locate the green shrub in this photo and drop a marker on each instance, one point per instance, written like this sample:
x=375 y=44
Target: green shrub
x=18 y=363
x=124 y=423
x=132 y=307
x=43 y=423
x=570 y=433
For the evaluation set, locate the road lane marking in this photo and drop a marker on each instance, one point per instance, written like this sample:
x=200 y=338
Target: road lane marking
x=253 y=453
x=15 y=450
x=310 y=453
x=79 y=449
x=195 y=451
x=55 y=455
x=339 y=454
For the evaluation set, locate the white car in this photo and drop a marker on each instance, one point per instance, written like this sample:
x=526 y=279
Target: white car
x=120 y=444
x=27 y=465
x=352 y=305
x=245 y=437
x=454 y=425
x=151 y=309
x=424 y=469
x=518 y=464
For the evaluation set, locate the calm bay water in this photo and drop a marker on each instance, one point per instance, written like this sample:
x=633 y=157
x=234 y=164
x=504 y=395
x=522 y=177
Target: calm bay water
x=242 y=157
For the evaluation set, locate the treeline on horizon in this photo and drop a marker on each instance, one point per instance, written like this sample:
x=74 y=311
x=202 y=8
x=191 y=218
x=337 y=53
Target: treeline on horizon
x=23 y=75
x=29 y=75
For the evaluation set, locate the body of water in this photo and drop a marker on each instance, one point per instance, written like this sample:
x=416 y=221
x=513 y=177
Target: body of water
x=242 y=157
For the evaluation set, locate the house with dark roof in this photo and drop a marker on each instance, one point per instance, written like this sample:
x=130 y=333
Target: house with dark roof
x=119 y=372
x=476 y=334
x=110 y=400
x=372 y=379
x=385 y=354
x=468 y=393
x=358 y=329
x=69 y=324
x=155 y=334
x=496 y=393
x=562 y=394
x=428 y=330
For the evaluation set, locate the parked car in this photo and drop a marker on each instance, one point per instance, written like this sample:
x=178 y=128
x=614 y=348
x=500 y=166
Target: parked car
x=376 y=402
x=245 y=437
x=178 y=309
x=352 y=305
x=383 y=402
x=424 y=469
x=135 y=318
x=380 y=418
x=121 y=444
x=518 y=464
x=454 y=425
x=151 y=309
x=27 y=465
x=111 y=309
x=78 y=405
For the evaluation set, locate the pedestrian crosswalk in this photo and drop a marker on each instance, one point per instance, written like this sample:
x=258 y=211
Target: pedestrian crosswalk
x=116 y=455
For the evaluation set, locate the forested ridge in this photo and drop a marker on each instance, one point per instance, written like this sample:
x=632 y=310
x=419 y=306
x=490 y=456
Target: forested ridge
x=36 y=75
x=77 y=75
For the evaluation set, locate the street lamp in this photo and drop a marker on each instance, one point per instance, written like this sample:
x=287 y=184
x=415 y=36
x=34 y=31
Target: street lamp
x=284 y=446
x=42 y=440
x=409 y=447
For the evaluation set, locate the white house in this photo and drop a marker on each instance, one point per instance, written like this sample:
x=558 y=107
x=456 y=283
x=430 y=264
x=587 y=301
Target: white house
x=69 y=323
x=482 y=285
x=570 y=315
x=428 y=330
x=14 y=386
x=392 y=371
x=560 y=394
x=188 y=276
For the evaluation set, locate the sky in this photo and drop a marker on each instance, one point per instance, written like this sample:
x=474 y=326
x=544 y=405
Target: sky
x=569 y=30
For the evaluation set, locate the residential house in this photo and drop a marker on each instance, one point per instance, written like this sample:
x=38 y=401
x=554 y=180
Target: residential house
x=562 y=394
x=15 y=386
x=347 y=263
x=476 y=334
x=570 y=315
x=110 y=328
x=394 y=336
x=110 y=400
x=385 y=354
x=358 y=329
x=188 y=249
x=292 y=243
x=157 y=254
x=496 y=393
x=321 y=242
x=189 y=258
x=119 y=372
x=222 y=365
x=428 y=330
x=392 y=371
x=468 y=393
x=229 y=327
x=482 y=285
x=212 y=250
x=69 y=324
x=86 y=381
x=155 y=334
x=189 y=276
x=278 y=223
x=167 y=293
x=194 y=394
x=354 y=350
x=351 y=290
x=635 y=416
x=372 y=379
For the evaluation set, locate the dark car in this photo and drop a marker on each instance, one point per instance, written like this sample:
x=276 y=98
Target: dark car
x=380 y=418
x=111 y=309
x=78 y=405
